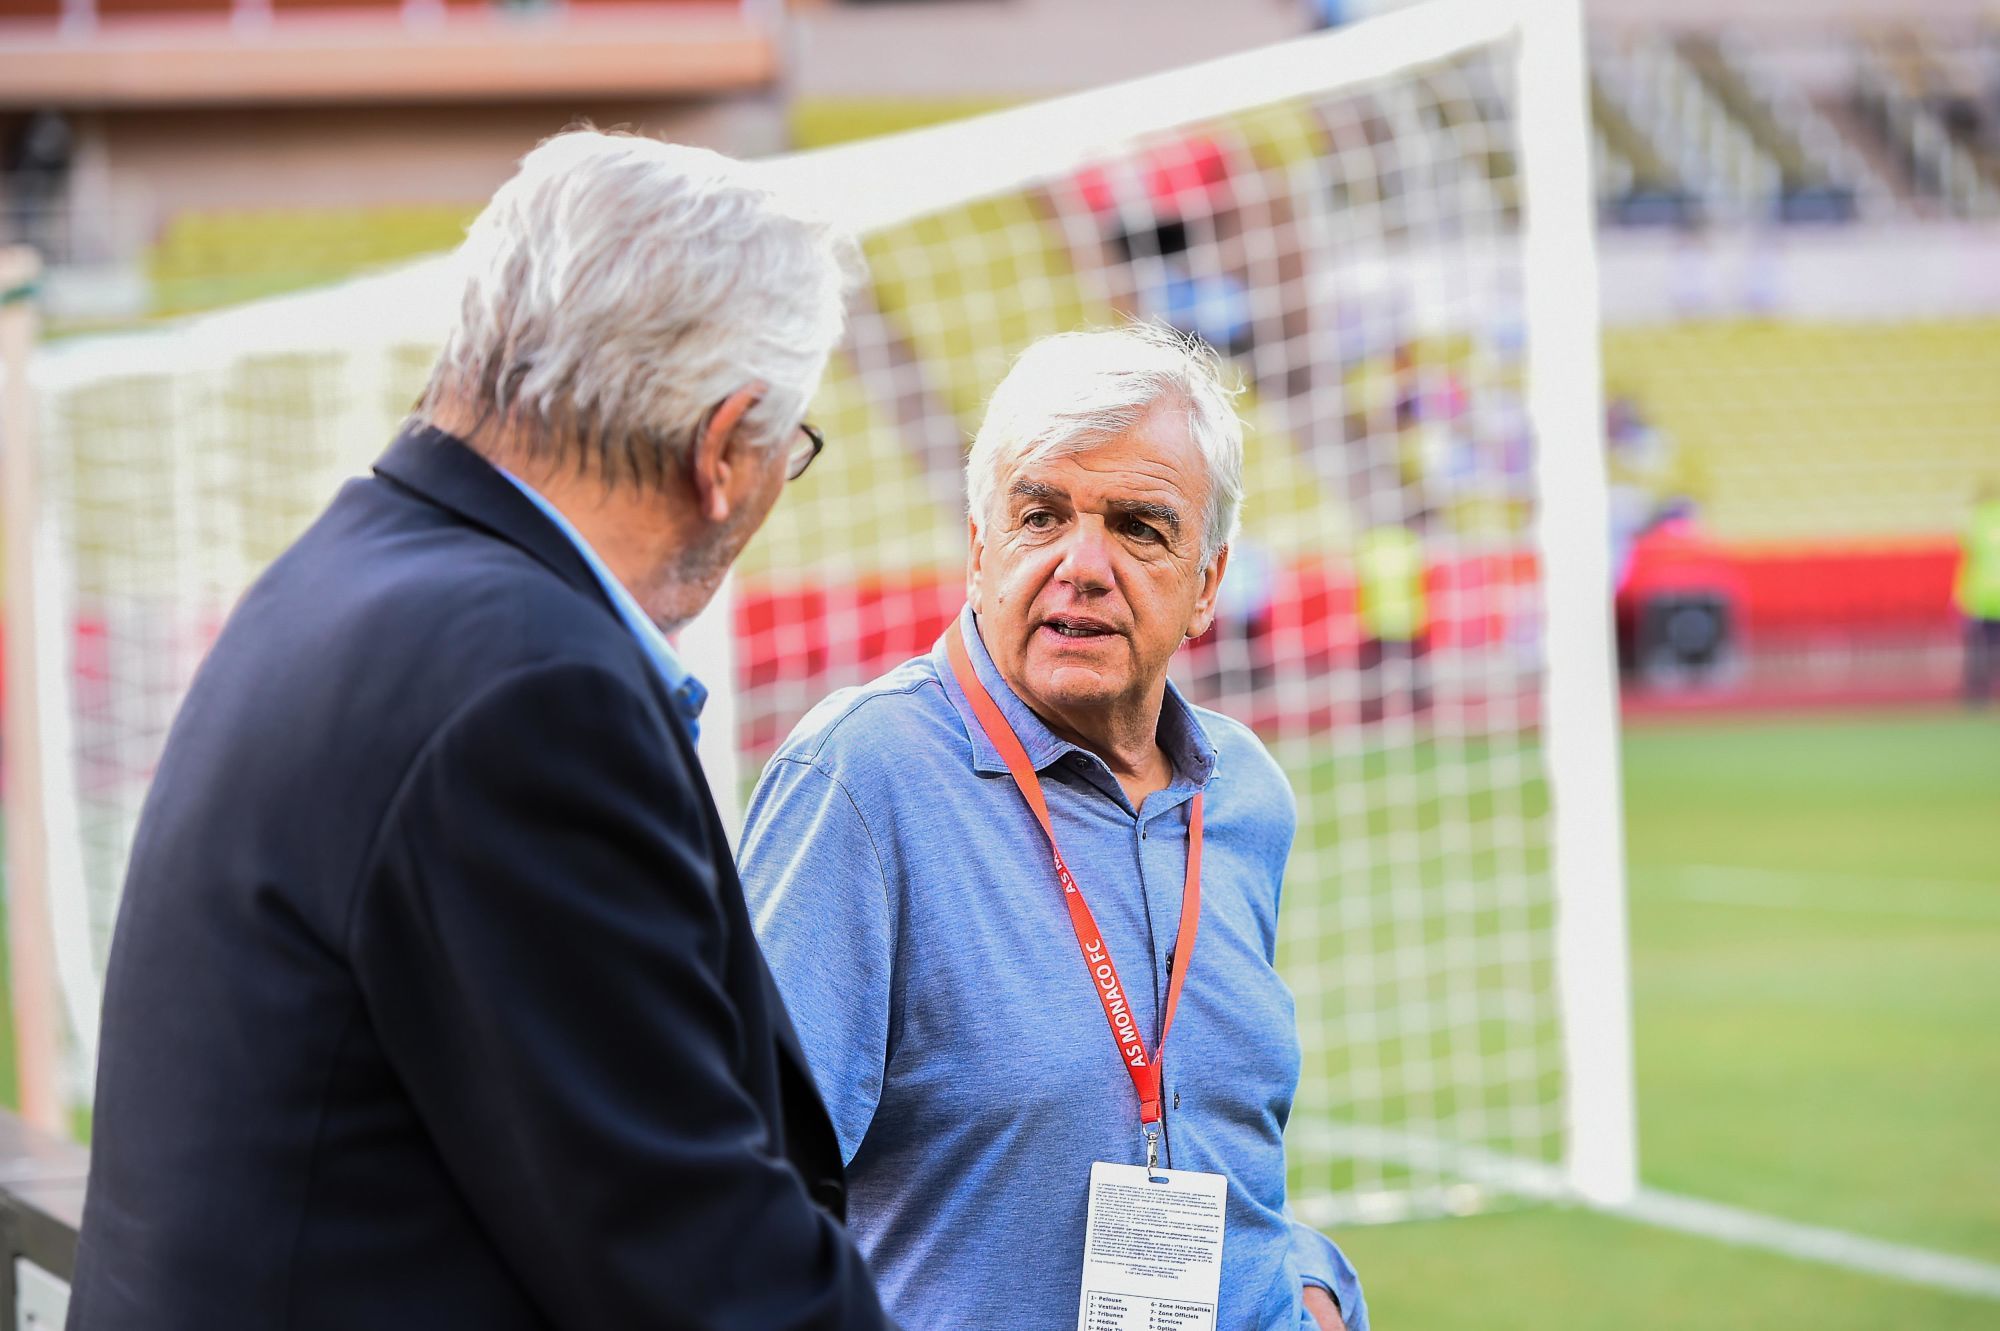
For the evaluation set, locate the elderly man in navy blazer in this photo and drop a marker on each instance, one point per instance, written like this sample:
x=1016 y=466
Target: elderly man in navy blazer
x=433 y=1001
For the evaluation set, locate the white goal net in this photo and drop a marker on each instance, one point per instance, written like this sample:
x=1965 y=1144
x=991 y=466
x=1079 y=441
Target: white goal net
x=1385 y=230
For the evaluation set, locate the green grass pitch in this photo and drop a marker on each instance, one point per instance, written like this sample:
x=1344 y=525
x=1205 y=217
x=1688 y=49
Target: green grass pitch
x=1815 y=923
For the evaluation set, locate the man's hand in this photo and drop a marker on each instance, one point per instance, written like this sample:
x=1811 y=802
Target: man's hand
x=1326 y=1313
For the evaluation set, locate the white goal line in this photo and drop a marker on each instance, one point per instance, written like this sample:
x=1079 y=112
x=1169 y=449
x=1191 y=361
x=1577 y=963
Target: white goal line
x=1481 y=1171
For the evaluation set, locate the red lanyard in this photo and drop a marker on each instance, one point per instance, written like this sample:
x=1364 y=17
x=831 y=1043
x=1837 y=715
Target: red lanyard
x=1110 y=992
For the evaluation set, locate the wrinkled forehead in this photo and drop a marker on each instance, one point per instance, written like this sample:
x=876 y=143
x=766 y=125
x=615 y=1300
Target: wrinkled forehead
x=1156 y=460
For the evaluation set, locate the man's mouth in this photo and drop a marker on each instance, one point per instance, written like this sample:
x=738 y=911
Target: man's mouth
x=1071 y=627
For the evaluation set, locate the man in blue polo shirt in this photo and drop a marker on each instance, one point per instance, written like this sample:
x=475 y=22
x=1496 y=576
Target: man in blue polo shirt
x=990 y=883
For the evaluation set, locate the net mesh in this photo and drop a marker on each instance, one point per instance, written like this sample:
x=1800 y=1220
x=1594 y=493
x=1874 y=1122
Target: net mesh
x=174 y=466
x=1357 y=258
x=1356 y=255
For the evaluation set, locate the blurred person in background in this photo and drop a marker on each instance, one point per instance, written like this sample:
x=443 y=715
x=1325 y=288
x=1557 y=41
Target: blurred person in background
x=35 y=165
x=1392 y=601
x=1242 y=660
x=985 y=1049
x=434 y=1000
x=1978 y=596
x=1639 y=466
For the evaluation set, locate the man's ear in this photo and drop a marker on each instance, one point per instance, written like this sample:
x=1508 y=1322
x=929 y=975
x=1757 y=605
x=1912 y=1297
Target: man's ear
x=719 y=452
x=974 y=550
x=1204 y=599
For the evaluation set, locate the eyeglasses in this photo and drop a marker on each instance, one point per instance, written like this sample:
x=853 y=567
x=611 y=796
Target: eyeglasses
x=808 y=447
x=804 y=449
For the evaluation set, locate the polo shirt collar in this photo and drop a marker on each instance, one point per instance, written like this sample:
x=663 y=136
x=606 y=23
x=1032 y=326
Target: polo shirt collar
x=1180 y=733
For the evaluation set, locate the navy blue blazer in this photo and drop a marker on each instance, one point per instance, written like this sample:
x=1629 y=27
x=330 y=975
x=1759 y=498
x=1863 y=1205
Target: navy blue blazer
x=433 y=1001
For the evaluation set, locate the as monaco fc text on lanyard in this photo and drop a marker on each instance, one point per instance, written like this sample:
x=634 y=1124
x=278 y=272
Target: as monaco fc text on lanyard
x=1111 y=992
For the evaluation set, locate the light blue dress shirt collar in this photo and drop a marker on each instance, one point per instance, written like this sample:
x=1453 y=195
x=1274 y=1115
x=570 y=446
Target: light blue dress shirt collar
x=687 y=692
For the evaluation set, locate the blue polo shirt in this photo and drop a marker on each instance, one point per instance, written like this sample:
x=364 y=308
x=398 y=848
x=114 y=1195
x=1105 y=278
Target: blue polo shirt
x=905 y=899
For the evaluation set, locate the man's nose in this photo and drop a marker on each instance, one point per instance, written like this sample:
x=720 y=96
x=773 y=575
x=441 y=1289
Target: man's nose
x=1086 y=560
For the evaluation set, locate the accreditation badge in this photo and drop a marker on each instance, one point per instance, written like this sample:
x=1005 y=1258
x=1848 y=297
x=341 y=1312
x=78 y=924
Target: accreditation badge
x=1152 y=1249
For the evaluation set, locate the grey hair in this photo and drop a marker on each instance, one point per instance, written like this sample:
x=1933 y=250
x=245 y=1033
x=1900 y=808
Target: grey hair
x=618 y=287
x=1071 y=392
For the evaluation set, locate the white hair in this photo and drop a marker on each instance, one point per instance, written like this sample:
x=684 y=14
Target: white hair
x=618 y=287
x=1071 y=392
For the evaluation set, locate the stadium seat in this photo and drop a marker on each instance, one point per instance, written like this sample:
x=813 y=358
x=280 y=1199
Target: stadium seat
x=208 y=259
x=1820 y=431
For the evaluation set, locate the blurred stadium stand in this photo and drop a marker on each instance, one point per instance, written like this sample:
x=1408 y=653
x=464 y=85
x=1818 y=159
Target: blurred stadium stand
x=1937 y=106
x=1818 y=432
x=203 y=260
x=1720 y=126
x=1759 y=173
x=130 y=129
x=113 y=123
x=1829 y=464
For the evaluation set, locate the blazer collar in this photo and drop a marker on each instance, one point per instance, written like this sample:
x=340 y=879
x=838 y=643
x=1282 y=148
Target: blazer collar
x=442 y=468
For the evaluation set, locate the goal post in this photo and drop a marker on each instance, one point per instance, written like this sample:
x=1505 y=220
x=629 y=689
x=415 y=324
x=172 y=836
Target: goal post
x=873 y=187
x=1580 y=710
x=31 y=973
x=1386 y=231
